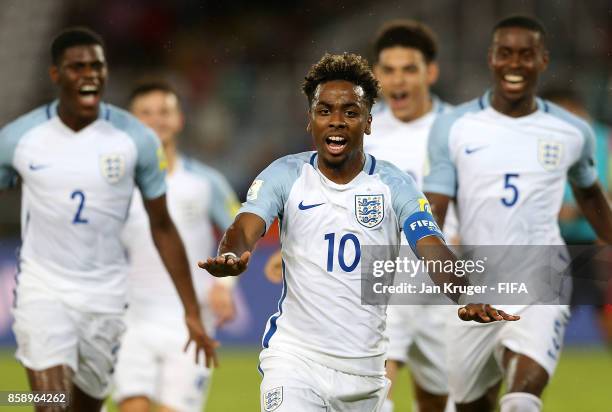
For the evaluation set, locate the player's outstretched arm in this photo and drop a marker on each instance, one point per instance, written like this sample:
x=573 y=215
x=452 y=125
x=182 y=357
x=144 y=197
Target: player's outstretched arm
x=595 y=207
x=235 y=248
x=432 y=248
x=172 y=252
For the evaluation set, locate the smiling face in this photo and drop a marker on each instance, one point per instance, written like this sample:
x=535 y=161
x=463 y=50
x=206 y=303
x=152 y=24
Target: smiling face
x=80 y=75
x=516 y=59
x=338 y=118
x=405 y=78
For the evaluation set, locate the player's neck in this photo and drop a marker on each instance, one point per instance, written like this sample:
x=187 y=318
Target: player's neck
x=73 y=121
x=171 y=155
x=344 y=173
x=514 y=108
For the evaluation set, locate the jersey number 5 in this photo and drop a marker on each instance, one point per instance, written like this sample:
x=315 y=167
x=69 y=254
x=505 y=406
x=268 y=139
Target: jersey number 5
x=514 y=195
x=77 y=217
x=331 y=237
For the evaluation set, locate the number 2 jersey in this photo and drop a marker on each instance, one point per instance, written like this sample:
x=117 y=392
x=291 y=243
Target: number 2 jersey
x=324 y=226
x=508 y=174
x=77 y=188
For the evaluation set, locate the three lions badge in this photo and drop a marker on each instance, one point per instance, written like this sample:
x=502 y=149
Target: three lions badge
x=272 y=399
x=112 y=167
x=369 y=210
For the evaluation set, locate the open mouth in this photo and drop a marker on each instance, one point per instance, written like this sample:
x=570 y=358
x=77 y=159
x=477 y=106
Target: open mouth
x=89 y=94
x=335 y=144
x=514 y=82
x=398 y=98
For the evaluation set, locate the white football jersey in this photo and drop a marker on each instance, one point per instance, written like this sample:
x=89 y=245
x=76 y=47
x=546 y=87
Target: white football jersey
x=508 y=174
x=197 y=197
x=404 y=144
x=77 y=188
x=324 y=226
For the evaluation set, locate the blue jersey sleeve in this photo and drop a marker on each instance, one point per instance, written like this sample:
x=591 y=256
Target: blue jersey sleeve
x=442 y=177
x=269 y=192
x=224 y=203
x=9 y=138
x=583 y=173
x=8 y=143
x=410 y=205
x=150 y=173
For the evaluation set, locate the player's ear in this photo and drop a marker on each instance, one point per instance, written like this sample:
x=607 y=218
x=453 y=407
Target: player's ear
x=490 y=57
x=545 y=59
x=368 y=128
x=433 y=72
x=54 y=74
x=376 y=70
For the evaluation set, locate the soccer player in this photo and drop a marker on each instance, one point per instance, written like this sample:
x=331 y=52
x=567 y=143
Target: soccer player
x=79 y=160
x=504 y=157
x=323 y=349
x=405 y=66
x=575 y=229
x=158 y=370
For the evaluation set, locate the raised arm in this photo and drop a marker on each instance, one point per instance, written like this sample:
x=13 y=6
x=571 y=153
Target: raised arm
x=596 y=209
x=236 y=246
x=172 y=252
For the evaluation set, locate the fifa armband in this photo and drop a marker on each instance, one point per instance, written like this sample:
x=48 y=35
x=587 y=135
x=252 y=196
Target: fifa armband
x=420 y=225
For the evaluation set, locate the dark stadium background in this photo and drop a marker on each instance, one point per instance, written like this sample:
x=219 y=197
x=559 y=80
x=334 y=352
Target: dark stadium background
x=237 y=66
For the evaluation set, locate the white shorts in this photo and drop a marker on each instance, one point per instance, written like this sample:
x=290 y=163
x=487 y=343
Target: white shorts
x=417 y=337
x=293 y=383
x=50 y=333
x=152 y=364
x=476 y=351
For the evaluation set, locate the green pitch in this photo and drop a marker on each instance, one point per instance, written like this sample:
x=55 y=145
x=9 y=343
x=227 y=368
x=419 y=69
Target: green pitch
x=582 y=382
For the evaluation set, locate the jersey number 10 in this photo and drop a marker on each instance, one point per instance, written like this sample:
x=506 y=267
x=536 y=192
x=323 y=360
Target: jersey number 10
x=331 y=237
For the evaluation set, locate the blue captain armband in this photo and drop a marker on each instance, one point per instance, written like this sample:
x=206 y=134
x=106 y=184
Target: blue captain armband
x=420 y=225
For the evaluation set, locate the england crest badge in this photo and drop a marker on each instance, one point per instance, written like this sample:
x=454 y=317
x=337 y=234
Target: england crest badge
x=112 y=167
x=369 y=210
x=272 y=399
x=549 y=154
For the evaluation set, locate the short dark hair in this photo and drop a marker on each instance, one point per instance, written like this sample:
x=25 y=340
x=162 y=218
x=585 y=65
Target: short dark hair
x=525 y=22
x=407 y=33
x=73 y=36
x=347 y=66
x=148 y=86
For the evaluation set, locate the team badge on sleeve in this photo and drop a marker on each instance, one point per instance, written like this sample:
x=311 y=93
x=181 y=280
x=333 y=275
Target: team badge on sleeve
x=549 y=154
x=254 y=189
x=162 y=161
x=272 y=399
x=112 y=167
x=369 y=210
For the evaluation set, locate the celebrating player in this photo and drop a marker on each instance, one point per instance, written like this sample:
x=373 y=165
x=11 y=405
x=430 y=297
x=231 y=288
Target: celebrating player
x=505 y=157
x=158 y=370
x=406 y=67
x=79 y=160
x=323 y=348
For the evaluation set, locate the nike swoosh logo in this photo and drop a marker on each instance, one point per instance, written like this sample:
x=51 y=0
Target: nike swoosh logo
x=302 y=206
x=37 y=167
x=475 y=149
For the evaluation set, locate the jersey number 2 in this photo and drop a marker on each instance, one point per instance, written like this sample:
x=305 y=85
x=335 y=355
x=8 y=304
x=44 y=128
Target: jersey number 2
x=510 y=200
x=77 y=217
x=331 y=237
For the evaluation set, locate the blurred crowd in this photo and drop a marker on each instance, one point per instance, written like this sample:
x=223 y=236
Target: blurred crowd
x=238 y=65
